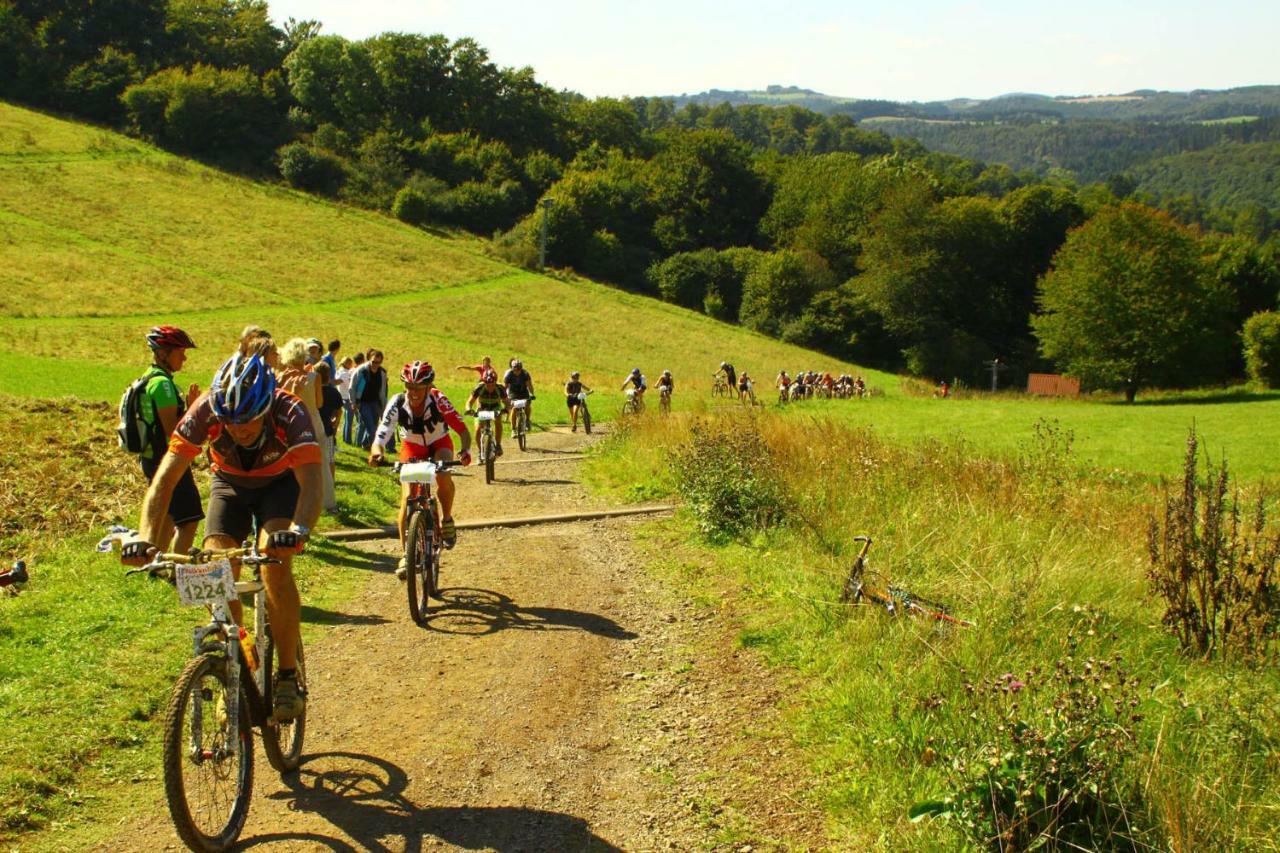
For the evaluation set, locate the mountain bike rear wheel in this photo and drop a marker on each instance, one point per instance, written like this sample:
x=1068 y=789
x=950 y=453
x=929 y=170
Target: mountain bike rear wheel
x=282 y=742
x=419 y=548
x=487 y=450
x=207 y=780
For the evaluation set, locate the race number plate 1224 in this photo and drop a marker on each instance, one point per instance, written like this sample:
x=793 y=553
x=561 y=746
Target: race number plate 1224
x=206 y=583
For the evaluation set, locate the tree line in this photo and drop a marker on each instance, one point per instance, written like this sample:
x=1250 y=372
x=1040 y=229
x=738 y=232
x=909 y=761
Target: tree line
x=803 y=226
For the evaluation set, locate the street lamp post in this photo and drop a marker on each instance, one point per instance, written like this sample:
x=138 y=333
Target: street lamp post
x=542 y=238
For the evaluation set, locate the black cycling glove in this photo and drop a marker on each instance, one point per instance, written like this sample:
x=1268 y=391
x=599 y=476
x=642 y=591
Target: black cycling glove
x=284 y=539
x=136 y=550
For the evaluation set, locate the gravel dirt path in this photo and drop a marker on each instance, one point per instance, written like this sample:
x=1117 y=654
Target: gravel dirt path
x=560 y=699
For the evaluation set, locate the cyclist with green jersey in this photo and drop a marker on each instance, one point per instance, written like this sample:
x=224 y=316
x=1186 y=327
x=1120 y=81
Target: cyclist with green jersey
x=162 y=406
x=572 y=389
x=489 y=396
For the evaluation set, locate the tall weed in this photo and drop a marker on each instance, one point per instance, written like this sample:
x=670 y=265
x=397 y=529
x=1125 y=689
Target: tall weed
x=1214 y=564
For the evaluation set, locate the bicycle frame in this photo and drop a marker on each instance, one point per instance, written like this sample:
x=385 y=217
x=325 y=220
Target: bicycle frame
x=225 y=634
x=856 y=589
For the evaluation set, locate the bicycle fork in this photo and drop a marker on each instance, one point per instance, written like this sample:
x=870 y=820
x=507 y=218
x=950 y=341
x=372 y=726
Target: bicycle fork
x=231 y=650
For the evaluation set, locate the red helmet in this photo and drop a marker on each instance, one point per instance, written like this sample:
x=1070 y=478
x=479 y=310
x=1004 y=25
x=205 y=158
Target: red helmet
x=489 y=375
x=169 y=337
x=418 y=373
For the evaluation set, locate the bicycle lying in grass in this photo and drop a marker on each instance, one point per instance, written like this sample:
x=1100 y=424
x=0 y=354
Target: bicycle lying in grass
x=208 y=753
x=15 y=579
x=894 y=599
x=422 y=539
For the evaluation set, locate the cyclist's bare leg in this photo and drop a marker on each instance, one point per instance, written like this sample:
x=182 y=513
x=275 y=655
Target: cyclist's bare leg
x=402 y=518
x=219 y=542
x=284 y=605
x=445 y=491
x=165 y=535
x=573 y=415
x=185 y=536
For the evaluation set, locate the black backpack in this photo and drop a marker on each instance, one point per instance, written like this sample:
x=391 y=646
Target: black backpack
x=133 y=432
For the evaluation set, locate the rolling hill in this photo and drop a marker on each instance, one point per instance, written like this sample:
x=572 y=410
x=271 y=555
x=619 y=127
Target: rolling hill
x=102 y=236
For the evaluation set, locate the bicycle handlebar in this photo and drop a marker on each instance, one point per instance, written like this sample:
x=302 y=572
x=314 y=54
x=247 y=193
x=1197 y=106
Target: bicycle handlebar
x=16 y=576
x=164 y=565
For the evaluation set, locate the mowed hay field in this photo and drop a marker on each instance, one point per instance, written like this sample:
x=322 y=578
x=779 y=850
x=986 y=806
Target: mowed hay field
x=102 y=236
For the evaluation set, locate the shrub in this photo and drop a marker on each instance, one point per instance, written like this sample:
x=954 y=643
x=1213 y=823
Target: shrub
x=411 y=205
x=1045 y=760
x=1261 y=337
x=207 y=110
x=726 y=473
x=309 y=169
x=1215 y=568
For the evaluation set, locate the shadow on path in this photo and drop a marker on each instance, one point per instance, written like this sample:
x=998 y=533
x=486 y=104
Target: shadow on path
x=481 y=611
x=364 y=798
x=320 y=616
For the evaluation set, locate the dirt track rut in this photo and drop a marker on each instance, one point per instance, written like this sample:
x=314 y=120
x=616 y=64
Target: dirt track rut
x=539 y=709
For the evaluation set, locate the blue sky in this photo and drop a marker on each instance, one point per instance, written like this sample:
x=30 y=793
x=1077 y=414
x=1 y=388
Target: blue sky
x=923 y=50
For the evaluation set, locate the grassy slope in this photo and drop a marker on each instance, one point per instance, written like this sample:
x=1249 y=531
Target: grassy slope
x=101 y=236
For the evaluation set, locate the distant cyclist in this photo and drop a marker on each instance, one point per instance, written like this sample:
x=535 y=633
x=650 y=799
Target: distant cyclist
x=730 y=375
x=572 y=389
x=424 y=417
x=519 y=385
x=489 y=396
x=265 y=462
x=746 y=389
x=636 y=380
x=666 y=388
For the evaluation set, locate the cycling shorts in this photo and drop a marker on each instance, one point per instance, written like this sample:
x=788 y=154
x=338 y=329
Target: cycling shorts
x=572 y=401
x=184 y=506
x=440 y=450
x=235 y=511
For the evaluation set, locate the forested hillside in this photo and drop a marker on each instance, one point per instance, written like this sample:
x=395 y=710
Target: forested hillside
x=799 y=225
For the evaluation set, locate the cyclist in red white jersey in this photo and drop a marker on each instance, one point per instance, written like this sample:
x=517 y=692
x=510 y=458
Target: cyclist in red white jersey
x=424 y=416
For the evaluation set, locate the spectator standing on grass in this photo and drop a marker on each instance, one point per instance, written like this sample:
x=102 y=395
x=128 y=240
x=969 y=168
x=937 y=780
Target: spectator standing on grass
x=162 y=406
x=331 y=407
x=369 y=391
x=295 y=378
x=486 y=363
x=314 y=350
x=331 y=357
x=342 y=382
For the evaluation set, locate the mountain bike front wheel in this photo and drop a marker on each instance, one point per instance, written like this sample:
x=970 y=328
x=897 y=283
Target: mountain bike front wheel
x=419 y=552
x=207 y=780
x=282 y=742
x=586 y=419
x=488 y=457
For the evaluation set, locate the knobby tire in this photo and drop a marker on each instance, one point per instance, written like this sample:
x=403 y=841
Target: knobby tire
x=488 y=457
x=282 y=742
x=225 y=829
x=419 y=547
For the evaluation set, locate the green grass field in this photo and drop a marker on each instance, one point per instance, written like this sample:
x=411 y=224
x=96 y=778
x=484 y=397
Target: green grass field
x=1145 y=438
x=102 y=236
